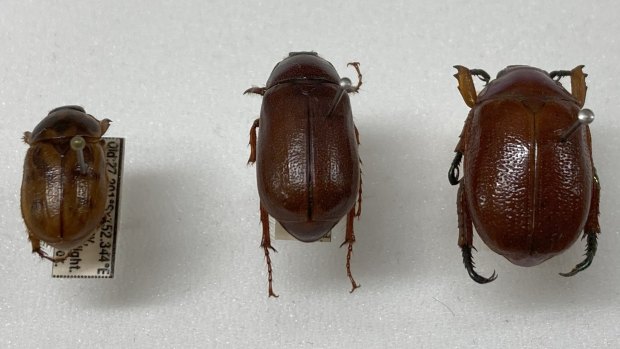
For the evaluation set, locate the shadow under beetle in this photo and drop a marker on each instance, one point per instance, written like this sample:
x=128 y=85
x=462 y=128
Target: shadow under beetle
x=64 y=187
x=307 y=164
x=529 y=184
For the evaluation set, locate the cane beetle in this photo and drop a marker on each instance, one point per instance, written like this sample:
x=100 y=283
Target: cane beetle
x=307 y=163
x=64 y=187
x=529 y=184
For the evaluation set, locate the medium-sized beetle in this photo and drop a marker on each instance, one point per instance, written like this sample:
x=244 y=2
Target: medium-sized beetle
x=307 y=163
x=64 y=188
x=529 y=184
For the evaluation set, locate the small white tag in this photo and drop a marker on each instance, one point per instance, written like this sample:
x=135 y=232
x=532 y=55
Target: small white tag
x=95 y=258
x=277 y=231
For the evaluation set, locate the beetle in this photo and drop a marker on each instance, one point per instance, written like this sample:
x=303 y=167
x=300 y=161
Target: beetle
x=529 y=185
x=307 y=163
x=64 y=186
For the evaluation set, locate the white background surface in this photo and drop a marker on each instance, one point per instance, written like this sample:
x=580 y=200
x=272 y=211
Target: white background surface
x=189 y=272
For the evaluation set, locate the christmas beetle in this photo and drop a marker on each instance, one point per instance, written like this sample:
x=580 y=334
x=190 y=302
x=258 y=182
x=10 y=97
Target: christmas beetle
x=64 y=186
x=306 y=153
x=529 y=184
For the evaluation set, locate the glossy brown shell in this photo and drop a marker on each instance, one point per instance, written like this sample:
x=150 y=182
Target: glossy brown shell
x=61 y=206
x=528 y=192
x=307 y=162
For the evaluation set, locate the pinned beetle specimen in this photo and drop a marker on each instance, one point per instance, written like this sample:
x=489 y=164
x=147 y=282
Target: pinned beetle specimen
x=529 y=184
x=307 y=164
x=64 y=187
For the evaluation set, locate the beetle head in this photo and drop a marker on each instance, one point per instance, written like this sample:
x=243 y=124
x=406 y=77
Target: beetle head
x=66 y=122
x=299 y=66
x=517 y=67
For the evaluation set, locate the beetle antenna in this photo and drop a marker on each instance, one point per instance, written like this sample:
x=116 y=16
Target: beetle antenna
x=585 y=117
x=469 y=265
x=78 y=143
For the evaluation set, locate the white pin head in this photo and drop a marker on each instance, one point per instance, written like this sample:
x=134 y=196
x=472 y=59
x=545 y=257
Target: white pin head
x=585 y=117
x=345 y=83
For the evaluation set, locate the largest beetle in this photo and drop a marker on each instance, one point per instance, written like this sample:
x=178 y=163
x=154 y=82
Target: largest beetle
x=307 y=164
x=64 y=187
x=529 y=185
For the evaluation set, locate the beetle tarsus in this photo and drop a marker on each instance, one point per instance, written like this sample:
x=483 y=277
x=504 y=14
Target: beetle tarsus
x=454 y=172
x=469 y=265
x=257 y=90
x=481 y=74
x=350 y=239
x=356 y=65
x=556 y=75
x=591 y=247
x=266 y=245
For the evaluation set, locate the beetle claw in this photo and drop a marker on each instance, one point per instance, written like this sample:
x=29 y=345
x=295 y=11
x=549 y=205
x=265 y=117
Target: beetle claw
x=469 y=265
x=590 y=253
x=454 y=172
x=257 y=90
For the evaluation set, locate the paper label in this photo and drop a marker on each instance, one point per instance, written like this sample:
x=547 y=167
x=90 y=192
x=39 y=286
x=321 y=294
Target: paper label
x=95 y=258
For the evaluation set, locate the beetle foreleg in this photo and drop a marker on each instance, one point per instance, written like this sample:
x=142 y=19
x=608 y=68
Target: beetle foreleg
x=466 y=238
x=252 y=143
x=591 y=230
x=558 y=74
x=350 y=239
x=266 y=245
x=257 y=90
x=27 y=136
x=454 y=172
x=481 y=74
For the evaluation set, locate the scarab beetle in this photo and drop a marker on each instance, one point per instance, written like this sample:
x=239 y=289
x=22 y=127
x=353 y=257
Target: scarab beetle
x=64 y=187
x=529 y=184
x=307 y=163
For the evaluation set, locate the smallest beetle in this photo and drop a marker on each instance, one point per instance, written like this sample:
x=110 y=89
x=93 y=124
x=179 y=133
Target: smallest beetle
x=529 y=184
x=64 y=187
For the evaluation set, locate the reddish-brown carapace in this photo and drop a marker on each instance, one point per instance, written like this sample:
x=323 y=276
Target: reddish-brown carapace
x=306 y=153
x=529 y=185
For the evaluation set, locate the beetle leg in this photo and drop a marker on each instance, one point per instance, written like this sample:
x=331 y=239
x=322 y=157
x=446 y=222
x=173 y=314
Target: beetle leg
x=454 y=172
x=355 y=89
x=481 y=74
x=558 y=74
x=27 y=137
x=36 y=248
x=252 y=143
x=466 y=85
x=591 y=230
x=466 y=237
x=266 y=245
x=257 y=90
x=577 y=81
x=350 y=239
x=578 y=86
